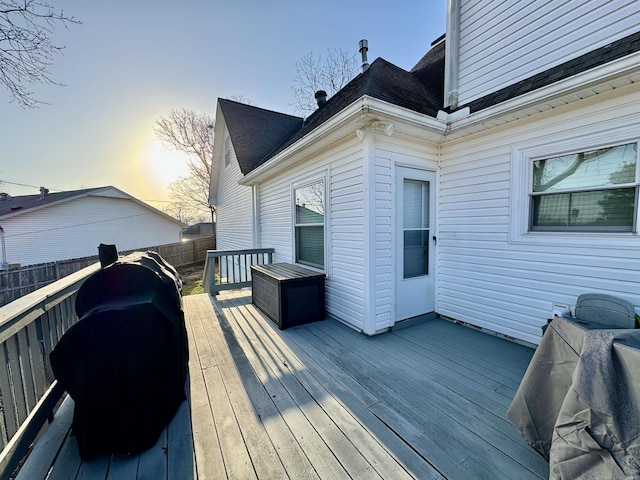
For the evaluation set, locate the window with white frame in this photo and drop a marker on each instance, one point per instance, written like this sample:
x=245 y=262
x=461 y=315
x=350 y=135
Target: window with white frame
x=309 y=224
x=227 y=152
x=587 y=191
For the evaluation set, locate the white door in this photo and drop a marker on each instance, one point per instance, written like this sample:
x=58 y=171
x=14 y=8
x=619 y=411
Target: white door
x=415 y=269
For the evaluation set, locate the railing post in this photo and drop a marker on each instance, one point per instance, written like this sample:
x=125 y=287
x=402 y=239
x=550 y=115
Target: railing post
x=234 y=267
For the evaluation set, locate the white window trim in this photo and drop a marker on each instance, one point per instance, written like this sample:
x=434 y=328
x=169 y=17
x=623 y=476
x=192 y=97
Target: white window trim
x=301 y=184
x=522 y=159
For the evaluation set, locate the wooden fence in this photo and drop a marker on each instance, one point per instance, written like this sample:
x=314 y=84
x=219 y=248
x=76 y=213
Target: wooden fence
x=17 y=282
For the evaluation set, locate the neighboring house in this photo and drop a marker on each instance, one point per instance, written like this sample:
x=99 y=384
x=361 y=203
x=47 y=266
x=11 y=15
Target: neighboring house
x=198 y=230
x=59 y=226
x=487 y=185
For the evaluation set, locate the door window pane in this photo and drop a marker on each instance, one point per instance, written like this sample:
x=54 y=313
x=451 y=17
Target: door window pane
x=416 y=253
x=416 y=236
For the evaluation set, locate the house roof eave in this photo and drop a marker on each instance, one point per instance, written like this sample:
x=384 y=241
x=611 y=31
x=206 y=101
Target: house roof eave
x=96 y=192
x=354 y=116
x=586 y=84
x=216 y=158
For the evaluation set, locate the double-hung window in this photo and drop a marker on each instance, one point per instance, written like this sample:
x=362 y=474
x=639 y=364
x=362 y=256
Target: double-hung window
x=309 y=224
x=588 y=191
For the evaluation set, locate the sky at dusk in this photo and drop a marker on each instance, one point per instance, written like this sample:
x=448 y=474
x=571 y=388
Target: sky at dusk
x=132 y=61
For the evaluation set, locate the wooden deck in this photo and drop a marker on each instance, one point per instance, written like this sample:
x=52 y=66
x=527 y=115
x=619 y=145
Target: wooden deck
x=323 y=401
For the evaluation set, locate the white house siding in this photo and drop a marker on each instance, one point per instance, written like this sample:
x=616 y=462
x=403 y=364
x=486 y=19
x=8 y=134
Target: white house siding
x=344 y=192
x=502 y=43
x=495 y=278
x=390 y=152
x=75 y=228
x=234 y=211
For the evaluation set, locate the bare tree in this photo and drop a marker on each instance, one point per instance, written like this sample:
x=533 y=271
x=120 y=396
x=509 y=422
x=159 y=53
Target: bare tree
x=191 y=133
x=26 y=48
x=314 y=73
x=189 y=200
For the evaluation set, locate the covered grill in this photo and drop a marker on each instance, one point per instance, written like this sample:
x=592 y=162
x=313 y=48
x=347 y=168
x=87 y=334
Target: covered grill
x=125 y=362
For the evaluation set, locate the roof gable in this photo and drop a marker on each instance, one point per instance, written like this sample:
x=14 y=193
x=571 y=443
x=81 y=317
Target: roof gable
x=13 y=206
x=18 y=204
x=255 y=131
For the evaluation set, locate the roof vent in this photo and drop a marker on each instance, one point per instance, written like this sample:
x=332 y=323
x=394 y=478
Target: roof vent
x=321 y=97
x=364 y=47
x=43 y=192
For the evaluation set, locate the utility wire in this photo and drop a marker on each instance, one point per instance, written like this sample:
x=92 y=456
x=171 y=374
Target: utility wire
x=59 y=190
x=78 y=225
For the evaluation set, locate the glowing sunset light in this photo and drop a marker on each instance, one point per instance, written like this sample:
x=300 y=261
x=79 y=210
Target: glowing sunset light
x=159 y=165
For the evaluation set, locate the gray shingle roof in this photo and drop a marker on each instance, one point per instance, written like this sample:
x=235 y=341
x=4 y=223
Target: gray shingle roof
x=258 y=135
x=255 y=131
x=25 y=202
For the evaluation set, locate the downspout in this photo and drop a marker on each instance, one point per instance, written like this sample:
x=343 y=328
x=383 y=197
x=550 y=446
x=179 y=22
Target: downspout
x=452 y=55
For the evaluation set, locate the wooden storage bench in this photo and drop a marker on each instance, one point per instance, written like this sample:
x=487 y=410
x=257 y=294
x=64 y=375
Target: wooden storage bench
x=290 y=295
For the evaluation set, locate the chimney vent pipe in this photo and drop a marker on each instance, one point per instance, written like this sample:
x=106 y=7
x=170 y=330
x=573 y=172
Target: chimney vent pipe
x=364 y=47
x=321 y=97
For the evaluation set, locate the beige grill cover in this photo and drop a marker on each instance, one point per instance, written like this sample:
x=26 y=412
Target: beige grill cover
x=579 y=402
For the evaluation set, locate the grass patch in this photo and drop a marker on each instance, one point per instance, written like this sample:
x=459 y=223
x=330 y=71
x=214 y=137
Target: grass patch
x=192 y=288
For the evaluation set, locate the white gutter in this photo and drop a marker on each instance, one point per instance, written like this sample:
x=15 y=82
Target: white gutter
x=365 y=105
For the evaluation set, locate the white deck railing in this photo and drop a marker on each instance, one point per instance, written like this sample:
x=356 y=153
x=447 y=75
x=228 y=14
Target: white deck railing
x=230 y=269
x=30 y=328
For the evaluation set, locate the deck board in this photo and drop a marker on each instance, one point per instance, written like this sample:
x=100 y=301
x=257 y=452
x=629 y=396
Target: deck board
x=322 y=401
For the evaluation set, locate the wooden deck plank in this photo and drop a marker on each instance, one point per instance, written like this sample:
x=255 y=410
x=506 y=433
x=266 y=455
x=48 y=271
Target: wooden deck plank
x=124 y=468
x=357 y=400
x=290 y=454
x=330 y=423
x=241 y=388
x=68 y=462
x=324 y=401
x=445 y=450
x=311 y=442
x=208 y=456
x=180 y=459
x=318 y=384
x=97 y=468
x=153 y=461
x=440 y=378
x=462 y=415
x=476 y=354
x=39 y=462
x=441 y=365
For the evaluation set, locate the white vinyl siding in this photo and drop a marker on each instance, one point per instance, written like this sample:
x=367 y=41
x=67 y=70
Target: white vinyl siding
x=75 y=228
x=493 y=272
x=234 y=212
x=383 y=243
x=502 y=43
x=342 y=166
x=391 y=152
